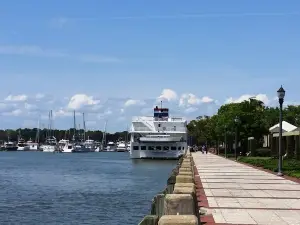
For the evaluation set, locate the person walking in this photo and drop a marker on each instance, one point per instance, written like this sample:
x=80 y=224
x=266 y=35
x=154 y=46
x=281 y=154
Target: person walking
x=205 y=149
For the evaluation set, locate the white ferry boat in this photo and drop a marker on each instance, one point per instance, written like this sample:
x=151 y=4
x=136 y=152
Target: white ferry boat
x=158 y=136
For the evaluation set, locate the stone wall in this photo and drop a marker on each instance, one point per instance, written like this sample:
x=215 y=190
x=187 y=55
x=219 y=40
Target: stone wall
x=177 y=204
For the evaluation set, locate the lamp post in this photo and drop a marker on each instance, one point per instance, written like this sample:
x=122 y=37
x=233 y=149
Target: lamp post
x=225 y=141
x=236 y=121
x=280 y=94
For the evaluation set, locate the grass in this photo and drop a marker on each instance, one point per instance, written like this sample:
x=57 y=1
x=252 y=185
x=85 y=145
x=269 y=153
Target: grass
x=290 y=167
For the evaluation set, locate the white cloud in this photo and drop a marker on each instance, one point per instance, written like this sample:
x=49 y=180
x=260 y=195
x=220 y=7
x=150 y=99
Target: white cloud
x=30 y=107
x=132 y=102
x=192 y=100
x=206 y=99
x=80 y=100
x=261 y=97
x=167 y=94
x=39 y=96
x=30 y=50
x=59 y=22
x=16 y=98
x=37 y=51
x=91 y=124
x=104 y=114
x=18 y=110
x=191 y=110
x=30 y=124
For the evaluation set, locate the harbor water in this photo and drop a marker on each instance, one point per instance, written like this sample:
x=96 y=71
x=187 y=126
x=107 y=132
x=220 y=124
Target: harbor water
x=93 y=188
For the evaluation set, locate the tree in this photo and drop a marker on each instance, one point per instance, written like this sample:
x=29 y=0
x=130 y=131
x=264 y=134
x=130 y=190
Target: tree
x=255 y=119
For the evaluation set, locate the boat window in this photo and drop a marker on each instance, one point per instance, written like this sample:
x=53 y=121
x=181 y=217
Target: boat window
x=182 y=148
x=158 y=147
x=174 y=128
x=166 y=148
x=143 y=147
x=150 y=148
x=135 y=147
x=173 y=148
x=179 y=148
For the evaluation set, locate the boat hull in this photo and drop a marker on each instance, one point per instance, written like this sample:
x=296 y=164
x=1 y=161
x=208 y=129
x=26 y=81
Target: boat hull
x=151 y=154
x=11 y=149
x=25 y=148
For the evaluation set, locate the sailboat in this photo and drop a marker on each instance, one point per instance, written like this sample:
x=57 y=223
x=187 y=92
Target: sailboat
x=51 y=142
x=103 y=143
x=76 y=145
x=89 y=144
x=22 y=146
x=34 y=146
x=9 y=145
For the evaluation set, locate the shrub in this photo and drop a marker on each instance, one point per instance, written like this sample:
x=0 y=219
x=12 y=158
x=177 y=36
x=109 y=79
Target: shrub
x=263 y=152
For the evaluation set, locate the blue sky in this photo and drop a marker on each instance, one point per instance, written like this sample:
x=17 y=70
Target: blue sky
x=104 y=53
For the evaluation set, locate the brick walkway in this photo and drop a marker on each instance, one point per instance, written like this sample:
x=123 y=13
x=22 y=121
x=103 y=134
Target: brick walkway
x=239 y=194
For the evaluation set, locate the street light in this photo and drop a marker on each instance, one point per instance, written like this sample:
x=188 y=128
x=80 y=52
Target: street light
x=225 y=141
x=280 y=94
x=236 y=121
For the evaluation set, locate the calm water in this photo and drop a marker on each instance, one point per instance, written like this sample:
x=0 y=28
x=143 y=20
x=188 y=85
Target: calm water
x=94 y=188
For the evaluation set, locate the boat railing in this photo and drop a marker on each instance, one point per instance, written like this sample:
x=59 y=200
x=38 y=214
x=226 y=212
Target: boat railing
x=180 y=129
x=151 y=118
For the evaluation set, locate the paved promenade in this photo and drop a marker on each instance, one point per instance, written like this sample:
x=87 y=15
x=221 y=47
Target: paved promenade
x=239 y=194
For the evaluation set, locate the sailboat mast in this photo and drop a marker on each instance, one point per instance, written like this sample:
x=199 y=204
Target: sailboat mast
x=74 y=126
x=37 y=137
x=126 y=136
x=104 y=135
x=48 y=127
x=51 y=123
x=84 y=128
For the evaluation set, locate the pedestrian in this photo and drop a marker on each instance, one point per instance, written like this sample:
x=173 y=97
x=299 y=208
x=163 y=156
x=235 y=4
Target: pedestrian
x=202 y=149
x=205 y=149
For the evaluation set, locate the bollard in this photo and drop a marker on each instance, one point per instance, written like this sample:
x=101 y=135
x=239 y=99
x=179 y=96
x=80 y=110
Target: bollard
x=185 y=185
x=184 y=190
x=184 y=169
x=178 y=220
x=149 y=220
x=184 y=179
x=159 y=207
x=179 y=203
x=186 y=173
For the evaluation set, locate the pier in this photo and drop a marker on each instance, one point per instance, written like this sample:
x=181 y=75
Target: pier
x=212 y=190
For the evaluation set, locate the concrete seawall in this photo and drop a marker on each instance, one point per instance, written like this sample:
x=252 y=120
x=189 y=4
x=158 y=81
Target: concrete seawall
x=177 y=204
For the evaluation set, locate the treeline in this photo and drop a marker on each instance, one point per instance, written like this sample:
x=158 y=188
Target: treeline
x=254 y=120
x=59 y=134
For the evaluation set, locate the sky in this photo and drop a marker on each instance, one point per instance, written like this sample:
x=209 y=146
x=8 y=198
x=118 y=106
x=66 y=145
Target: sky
x=114 y=59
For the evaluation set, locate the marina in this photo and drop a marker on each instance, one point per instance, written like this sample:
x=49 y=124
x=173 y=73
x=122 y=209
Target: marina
x=38 y=188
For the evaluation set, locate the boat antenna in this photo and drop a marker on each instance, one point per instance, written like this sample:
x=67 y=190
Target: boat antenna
x=160 y=105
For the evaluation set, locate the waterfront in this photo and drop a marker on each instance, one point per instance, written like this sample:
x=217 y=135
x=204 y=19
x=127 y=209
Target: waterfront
x=94 y=188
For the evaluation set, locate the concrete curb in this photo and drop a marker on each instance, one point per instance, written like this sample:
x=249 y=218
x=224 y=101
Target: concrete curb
x=177 y=204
